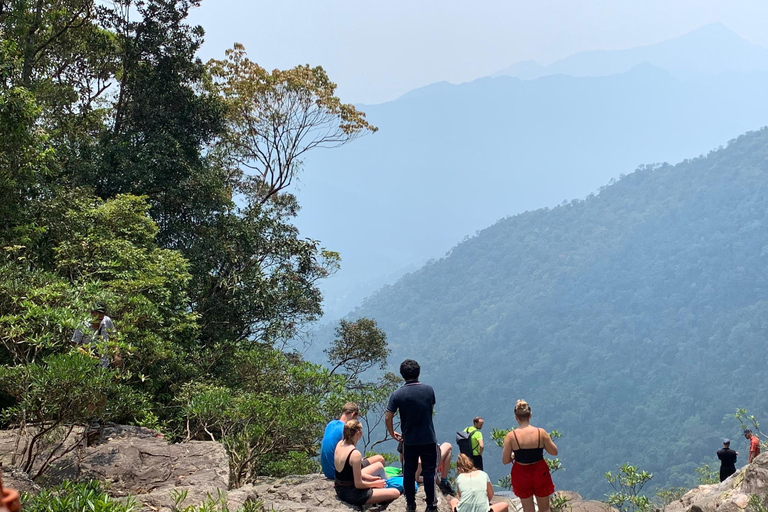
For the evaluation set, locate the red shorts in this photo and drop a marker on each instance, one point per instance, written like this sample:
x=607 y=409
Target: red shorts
x=531 y=480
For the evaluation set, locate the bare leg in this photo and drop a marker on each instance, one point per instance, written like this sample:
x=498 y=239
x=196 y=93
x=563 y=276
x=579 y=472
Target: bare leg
x=373 y=459
x=380 y=495
x=375 y=469
x=418 y=473
x=528 y=504
x=500 y=507
x=543 y=503
x=446 y=452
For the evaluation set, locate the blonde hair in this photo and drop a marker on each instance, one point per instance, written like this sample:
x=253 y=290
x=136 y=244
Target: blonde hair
x=522 y=409
x=351 y=428
x=464 y=464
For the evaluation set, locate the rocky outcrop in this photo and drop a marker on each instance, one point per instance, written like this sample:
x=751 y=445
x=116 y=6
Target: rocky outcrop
x=314 y=493
x=731 y=495
x=138 y=461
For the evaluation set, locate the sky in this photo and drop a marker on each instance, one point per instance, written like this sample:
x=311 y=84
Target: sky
x=378 y=50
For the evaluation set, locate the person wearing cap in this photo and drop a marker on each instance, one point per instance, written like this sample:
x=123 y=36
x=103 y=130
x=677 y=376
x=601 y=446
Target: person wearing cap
x=99 y=327
x=754 y=445
x=727 y=459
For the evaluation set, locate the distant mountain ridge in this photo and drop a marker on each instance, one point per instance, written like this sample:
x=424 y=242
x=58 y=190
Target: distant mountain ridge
x=710 y=49
x=633 y=321
x=451 y=159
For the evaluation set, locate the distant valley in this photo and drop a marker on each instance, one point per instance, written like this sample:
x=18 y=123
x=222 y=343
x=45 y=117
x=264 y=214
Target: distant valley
x=634 y=321
x=452 y=159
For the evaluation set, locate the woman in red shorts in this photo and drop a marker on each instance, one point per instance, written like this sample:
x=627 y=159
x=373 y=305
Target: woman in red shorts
x=525 y=447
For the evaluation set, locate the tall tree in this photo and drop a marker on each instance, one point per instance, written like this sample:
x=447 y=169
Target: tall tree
x=161 y=121
x=274 y=119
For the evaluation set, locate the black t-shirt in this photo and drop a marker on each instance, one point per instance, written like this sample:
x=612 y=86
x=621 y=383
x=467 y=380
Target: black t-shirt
x=415 y=402
x=727 y=457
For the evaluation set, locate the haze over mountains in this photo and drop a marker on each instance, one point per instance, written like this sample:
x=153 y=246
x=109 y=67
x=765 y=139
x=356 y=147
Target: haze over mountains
x=451 y=159
x=633 y=321
x=707 y=50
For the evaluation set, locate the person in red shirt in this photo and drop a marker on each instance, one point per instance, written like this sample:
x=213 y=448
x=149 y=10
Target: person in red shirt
x=754 y=445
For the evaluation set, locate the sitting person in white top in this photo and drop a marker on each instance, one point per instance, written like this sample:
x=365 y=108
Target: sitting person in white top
x=474 y=489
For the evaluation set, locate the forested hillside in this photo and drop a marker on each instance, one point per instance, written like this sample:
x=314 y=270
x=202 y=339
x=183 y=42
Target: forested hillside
x=150 y=270
x=459 y=157
x=634 y=321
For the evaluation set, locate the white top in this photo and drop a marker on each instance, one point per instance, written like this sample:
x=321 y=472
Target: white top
x=473 y=487
x=105 y=326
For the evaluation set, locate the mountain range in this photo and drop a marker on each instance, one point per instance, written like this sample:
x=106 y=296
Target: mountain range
x=710 y=49
x=452 y=159
x=634 y=321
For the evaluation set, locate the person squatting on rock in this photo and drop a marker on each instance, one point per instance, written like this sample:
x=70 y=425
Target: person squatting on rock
x=476 y=442
x=351 y=484
x=333 y=434
x=444 y=455
x=415 y=402
x=100 y=326
x=530 y=474
x=727 y=460
x=474 y=488
x=754 y=445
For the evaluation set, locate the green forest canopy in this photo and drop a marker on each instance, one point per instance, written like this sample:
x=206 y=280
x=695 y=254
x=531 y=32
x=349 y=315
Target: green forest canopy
x=134 y=176
x=633 y=321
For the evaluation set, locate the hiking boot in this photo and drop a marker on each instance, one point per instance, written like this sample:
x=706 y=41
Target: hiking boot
x=410 y=508
x=431 y=508
x=445 y=486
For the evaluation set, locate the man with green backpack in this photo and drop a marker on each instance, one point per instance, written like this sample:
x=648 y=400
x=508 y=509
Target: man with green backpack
x=474 y=448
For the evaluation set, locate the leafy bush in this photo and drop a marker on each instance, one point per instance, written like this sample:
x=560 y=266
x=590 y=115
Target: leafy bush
x=669 y=495
x=76 y=497
x=627 y=484
x=211 y=504
x=54 y=397
x=707 y=474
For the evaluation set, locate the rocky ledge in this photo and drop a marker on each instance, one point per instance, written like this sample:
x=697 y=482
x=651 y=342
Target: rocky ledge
x=138 y=461
x=731 y=495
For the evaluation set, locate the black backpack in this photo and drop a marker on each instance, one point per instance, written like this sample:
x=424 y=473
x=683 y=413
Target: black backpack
x=464 y=440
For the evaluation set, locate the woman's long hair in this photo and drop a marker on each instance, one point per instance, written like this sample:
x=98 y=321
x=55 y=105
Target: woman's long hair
x=464 y=464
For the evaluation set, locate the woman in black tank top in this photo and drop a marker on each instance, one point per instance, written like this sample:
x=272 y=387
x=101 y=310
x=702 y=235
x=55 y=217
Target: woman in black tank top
x=352 y=486
x=530 y=474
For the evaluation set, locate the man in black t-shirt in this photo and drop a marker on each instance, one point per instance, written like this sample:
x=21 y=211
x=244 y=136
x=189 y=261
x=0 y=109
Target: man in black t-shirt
x=415 y=402
x=727 y=460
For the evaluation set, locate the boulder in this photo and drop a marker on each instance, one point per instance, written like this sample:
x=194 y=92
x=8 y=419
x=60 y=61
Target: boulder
x=138 y=461
x=731 y=495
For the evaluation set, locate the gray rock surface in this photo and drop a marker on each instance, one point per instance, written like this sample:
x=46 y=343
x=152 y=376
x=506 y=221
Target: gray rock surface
x=731 y=495
x=138 y=461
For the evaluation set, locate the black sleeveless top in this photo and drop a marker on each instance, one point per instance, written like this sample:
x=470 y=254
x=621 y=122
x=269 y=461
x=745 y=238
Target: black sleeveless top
x=528 y=455
x=345 y=476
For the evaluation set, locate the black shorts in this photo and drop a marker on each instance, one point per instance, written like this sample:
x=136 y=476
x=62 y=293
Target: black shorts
x=365 y=463
x=352 y=495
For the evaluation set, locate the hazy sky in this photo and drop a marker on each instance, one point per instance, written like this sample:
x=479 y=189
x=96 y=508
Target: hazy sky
x=378 y=50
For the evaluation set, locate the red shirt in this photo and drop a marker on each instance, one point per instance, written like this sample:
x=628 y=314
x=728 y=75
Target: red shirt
x=754 y=445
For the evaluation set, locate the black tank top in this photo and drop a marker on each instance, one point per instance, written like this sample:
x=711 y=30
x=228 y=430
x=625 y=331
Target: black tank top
x=528 y=455
x=345 y=475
